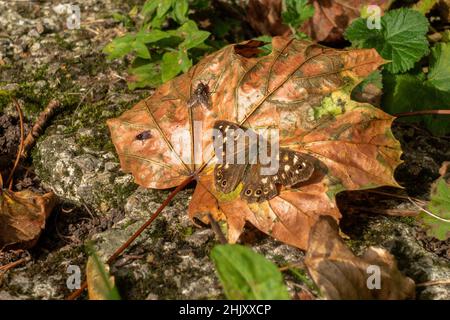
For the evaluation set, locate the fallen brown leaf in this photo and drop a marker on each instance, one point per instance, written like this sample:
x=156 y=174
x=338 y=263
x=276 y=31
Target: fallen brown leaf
x=22 y=216
x=341 y=275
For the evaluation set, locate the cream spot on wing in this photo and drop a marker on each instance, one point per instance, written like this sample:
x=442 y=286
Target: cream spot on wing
x=275 y=178
x=227 y=166
x=297 y=172
x=287 y=167
x=264 y=180
x=286 y=158
x=295 y=159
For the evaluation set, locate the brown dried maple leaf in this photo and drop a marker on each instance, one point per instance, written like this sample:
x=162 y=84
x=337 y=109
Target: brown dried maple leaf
x=341 y=275
x=303 y=90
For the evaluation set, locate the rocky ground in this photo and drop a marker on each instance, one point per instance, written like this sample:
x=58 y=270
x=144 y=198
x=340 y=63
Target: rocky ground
x=41 y=59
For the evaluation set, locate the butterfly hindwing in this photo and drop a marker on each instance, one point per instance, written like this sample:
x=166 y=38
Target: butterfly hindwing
x=294 y=167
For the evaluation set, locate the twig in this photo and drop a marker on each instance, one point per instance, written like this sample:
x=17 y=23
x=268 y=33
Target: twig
x=39 y=126
x=422 y=112
x=433 y=283
x=21 y=145
x=216 y=228
x=11 y=265
x=122 y=248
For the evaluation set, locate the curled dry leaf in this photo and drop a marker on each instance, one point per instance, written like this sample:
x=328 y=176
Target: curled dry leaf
x=341 y=275
x=331 y=17
x=303 y=90
x=22 y=217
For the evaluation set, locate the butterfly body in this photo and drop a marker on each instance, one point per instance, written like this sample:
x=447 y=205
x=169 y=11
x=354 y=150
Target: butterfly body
x=144 y=135
x=259 y=185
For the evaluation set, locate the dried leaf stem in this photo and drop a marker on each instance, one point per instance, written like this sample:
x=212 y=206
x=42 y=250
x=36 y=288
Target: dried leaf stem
x=422 y=112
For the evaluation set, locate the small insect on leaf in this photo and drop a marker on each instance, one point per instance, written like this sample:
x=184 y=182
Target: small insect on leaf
x=144 y=135
x=200 y=96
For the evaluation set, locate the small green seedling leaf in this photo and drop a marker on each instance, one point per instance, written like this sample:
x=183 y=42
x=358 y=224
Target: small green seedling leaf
x=439 y=207
x=245 y=274
x=296 y=12
x=180 y=10
x=163 y=7
x=402 y=38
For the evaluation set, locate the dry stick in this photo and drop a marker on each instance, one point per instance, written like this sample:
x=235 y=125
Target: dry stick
x=434 y=283
x=422 y=112
x=11 y=265
x=21 y=146
x=39 y=126
x=122 y=248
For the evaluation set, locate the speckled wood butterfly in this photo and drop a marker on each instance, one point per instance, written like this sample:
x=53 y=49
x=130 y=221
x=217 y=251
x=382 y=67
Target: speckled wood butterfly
x=293 y=167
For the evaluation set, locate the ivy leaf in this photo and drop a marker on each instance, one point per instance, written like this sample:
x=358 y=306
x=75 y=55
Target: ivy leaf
x=149 y=7
x=183 y=59
x=170 y=66
x=402 y=38
x=245 y=274
x=119 y=47
x=439 y=75
x=439 y=205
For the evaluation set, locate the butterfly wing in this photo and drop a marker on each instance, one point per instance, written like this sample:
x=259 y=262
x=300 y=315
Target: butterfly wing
x=229 y=172
x=258 y=188
x=294 y=167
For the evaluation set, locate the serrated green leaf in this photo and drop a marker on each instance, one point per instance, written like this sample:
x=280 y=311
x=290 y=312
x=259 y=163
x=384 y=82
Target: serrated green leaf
x=408 y=92
x=439 y=206
x=170 y=66
x=163 y=7
x=439 y=75
x=181 y=10
x=119 y=47
x=402 y=38
x=244 y=274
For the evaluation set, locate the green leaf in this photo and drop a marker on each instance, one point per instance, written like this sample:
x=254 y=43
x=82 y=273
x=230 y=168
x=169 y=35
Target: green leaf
x=146 y=75
x=402 y=38
x=244 y=274
x=170 y=66
x=439 y=75
x=193 y=37
x=439 y=206
x=185 y=62
x=119 y=47
x=408 y=92
x=181 y=10
x=296 y=12
x=100 y=284
x=424 y=6
x=163 y=7
x=149 y=7
x=151 y=36
x=141 y=50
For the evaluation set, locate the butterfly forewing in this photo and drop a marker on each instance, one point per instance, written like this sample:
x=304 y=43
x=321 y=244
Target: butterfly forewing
x=294 y=167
